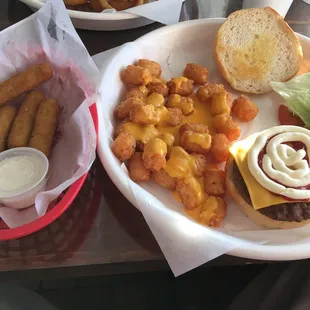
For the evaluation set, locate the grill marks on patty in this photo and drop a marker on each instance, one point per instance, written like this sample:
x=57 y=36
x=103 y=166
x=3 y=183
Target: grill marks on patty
x=288 y=212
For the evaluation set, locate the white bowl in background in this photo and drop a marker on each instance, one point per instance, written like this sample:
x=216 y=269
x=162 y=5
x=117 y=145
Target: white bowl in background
x=99 y=21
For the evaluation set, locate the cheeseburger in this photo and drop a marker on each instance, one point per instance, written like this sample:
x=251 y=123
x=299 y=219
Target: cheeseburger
x=268 y=176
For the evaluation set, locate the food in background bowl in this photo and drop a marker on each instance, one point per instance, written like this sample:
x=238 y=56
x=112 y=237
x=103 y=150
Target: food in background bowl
x=170 y=133
x=100 y=5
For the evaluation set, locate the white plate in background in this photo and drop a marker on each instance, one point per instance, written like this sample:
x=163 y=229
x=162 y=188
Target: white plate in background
x=174 y=46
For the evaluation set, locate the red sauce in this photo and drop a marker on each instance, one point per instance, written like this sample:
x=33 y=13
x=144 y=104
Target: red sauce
x=286 y=117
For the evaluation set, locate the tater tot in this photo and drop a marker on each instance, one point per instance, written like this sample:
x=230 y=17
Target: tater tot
x=23 y=123
x=168 y=138
x=223 y=123
x=153 y=66
x=186 y=104
x=193 y=142
x=45 y=126
x=194 y=127
x=181 y=86
x=214 y=182
x=190 y=192
x=121 y=111
x=24 y=81
x=155 y=99
x=120 y=127
x=220 y=147
x=158 y=86
x=146 y=114
x=244 y=109
x=201 y=163
x=140 y=92
x=220 y=104
x=136 y=75
x=175 y=116
x=137 y=171
x=141 y=133
x=207 y=91
x=124 y=146
x=213 y=211
x=154 y=154
x=178 y=163
x=197 y=73
x=7 y=115
x=162 y=178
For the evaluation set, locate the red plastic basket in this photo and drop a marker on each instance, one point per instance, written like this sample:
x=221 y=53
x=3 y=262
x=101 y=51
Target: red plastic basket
x=55 y=209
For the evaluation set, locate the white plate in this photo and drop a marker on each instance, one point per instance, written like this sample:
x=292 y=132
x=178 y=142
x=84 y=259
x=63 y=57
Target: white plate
x=99 y=21
x=173 y=47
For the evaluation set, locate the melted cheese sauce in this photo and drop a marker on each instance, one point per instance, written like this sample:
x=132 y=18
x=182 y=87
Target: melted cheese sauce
x=180 y=163
x=141 y=132
x=200 y=115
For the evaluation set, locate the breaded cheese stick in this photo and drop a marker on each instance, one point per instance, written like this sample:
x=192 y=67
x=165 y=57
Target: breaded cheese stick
x=23 y=123
x=45 y=126
x=24 y=81
x=7 y=115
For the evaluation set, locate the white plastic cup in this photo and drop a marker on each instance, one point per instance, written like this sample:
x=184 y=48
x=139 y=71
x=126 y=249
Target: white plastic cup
x=281 y=6
x=26 y=198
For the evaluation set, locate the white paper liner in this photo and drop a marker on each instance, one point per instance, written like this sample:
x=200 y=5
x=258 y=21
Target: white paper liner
x=163 y=11
x=185 y=243
x=48 y=35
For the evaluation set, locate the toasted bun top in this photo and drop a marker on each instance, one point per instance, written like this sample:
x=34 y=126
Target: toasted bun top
x=254 y=47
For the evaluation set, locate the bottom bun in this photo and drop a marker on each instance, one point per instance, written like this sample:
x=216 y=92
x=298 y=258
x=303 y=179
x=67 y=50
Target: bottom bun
x=257 y=217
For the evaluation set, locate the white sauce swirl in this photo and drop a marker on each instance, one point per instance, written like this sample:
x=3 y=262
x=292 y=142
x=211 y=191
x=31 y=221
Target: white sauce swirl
x=282 y=163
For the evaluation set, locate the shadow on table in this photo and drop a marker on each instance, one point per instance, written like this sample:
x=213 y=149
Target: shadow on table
x=130 y=219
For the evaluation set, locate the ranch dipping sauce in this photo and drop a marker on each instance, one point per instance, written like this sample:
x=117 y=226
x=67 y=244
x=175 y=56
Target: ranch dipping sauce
x=19 y=174
x=22 y=176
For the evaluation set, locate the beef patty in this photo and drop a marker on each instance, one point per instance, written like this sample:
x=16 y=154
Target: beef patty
x=289 y=212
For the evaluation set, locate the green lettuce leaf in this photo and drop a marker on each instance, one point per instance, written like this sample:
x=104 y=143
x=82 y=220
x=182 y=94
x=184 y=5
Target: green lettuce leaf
x=296 y=93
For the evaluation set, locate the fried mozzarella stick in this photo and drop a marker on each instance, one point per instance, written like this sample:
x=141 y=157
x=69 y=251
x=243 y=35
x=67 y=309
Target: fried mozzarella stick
x=45 y=126
x=24 y=81
x=7 y=115
x=22 y=126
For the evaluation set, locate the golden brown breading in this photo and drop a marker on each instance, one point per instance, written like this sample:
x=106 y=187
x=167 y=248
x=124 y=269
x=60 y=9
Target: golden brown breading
x=244 y=109
x=124 y=146
x=137 y=171
x=197 y=73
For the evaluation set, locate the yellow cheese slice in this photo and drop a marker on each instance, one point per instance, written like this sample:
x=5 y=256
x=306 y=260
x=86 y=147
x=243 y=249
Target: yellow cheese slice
x=260 y=197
